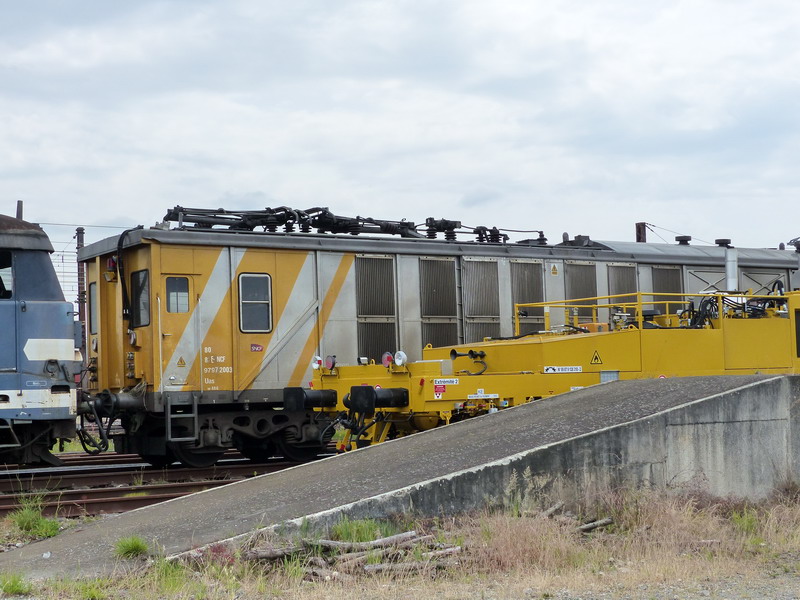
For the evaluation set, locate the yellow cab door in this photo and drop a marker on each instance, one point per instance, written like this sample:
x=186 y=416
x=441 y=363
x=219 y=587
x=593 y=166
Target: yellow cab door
x=178 y=334
x=194 y=326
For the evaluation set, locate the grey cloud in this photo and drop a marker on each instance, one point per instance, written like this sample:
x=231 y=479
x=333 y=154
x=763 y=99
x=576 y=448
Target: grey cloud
x=569 y=116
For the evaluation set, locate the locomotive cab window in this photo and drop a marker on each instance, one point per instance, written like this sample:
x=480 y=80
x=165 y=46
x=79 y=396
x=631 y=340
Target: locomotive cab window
x=6 y=281
x=177 y=294
x=255 y=303
x=140 y=299
x=93 y=308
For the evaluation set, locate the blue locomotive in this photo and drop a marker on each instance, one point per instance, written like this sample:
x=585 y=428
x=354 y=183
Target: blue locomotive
x=37 y=348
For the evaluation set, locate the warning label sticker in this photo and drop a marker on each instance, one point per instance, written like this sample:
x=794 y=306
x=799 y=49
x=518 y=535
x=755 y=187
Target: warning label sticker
x=562 y=369
x=596 y=360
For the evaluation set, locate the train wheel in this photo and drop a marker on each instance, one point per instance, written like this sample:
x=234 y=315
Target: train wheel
x=258 y=451
x=191 y=457
x=159 y=461
x=298 y=453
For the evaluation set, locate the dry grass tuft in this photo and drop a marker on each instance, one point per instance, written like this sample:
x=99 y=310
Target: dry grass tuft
x=654 y=537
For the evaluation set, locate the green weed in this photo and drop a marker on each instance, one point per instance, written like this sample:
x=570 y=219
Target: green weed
x=136 y=494
x=87 y=589
x=65 y=445
x=130 y=547
x=745 y=520
x=28 y=518
x=171 y=577
x=361 y=530
x=13 y=584
x=293 y=567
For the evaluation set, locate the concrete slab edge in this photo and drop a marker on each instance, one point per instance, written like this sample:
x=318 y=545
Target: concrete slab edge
x=325 y=518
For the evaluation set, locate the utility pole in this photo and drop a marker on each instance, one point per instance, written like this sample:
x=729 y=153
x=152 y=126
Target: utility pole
x=79 y=243
x=641 y=232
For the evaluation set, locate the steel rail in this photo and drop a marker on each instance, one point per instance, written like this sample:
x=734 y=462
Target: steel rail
x=95 y=501
x=31 y=482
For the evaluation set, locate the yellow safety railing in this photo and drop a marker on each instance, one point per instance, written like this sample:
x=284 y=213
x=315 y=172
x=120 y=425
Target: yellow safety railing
x=668 y=309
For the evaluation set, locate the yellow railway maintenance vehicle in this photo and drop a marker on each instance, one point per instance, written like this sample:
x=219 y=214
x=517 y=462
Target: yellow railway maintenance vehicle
x=584 y=342
x=196 y=325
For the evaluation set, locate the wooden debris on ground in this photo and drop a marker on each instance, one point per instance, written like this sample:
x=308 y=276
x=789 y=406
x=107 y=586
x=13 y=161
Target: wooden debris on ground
x=331 y=560
x=569 y=518
x=591 y=526
x=408 y=552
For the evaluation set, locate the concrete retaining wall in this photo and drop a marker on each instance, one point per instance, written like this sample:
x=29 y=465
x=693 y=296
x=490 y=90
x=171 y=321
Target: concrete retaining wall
x=743 y=443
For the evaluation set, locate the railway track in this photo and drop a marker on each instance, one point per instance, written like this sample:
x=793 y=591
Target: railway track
x=104 y=500
x=95 y=485
x=75 y=459
x=133 y=475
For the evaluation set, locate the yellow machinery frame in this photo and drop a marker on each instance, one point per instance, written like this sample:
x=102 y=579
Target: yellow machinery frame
x=584 y=342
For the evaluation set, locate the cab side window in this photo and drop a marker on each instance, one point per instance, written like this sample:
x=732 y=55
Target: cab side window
x=177 y=294
x=6 y=279
x=140 y=298
x=255 y=303
x=93 y=308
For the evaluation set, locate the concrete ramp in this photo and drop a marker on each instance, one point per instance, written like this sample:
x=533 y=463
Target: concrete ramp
x=732 y=435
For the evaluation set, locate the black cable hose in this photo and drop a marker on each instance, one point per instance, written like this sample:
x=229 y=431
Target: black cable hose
x=339 y=419
x=87 y=439
x=704 y=313
x=126 y=302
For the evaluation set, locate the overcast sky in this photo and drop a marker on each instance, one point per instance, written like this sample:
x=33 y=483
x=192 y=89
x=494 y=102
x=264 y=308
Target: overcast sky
x=574 y=116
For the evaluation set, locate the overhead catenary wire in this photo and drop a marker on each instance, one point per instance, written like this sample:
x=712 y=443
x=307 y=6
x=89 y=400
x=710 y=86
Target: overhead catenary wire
x=651 y=225
x=84 y=226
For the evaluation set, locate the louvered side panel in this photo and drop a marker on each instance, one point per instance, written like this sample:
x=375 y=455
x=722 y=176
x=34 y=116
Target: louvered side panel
x=437 y=288
x=622 y=280
x=376 y=338
x=374 y=286
x=475 y=331
x=668 y=280
x=581 y=283
x=439 y=334
x=480 y=292
x=527 y=285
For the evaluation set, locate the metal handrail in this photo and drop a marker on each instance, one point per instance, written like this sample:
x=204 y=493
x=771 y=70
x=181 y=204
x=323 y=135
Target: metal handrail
x=670 y=301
